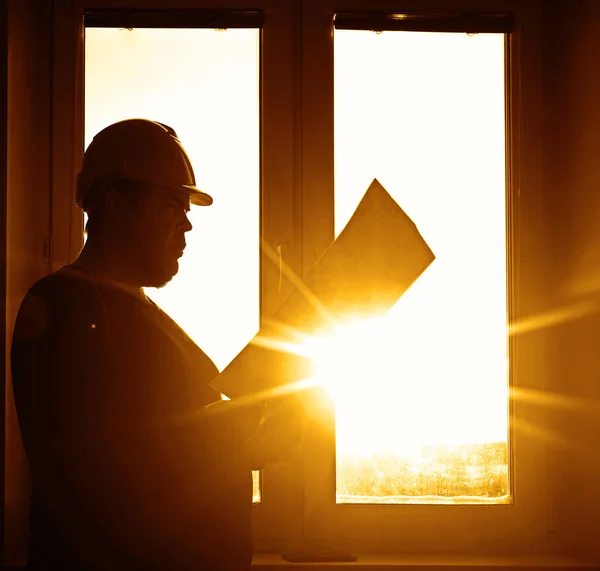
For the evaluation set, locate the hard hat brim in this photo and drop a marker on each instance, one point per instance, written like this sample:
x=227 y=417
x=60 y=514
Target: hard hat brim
x=197 y=196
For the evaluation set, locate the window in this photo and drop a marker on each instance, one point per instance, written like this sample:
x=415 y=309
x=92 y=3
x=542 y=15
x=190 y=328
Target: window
x=346 y=134
x=333 y=106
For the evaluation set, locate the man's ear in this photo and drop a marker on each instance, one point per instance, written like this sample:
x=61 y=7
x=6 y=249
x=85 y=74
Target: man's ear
x=114 y=205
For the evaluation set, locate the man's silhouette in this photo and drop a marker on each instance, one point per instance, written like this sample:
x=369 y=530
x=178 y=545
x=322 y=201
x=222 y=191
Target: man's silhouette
x=128 y=470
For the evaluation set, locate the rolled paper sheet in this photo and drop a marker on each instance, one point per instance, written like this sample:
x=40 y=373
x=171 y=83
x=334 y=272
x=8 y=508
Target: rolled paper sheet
x=374 y=261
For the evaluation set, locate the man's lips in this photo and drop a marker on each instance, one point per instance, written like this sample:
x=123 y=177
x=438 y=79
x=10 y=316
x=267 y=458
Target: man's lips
x=178 y=250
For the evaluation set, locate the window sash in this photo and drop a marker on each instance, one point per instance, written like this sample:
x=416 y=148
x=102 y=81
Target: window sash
x=411 y=527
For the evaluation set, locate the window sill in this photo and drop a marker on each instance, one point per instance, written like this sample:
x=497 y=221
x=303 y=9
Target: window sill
x=384 y=562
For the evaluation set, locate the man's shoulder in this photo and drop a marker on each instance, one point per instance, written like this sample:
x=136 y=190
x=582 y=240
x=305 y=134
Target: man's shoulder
x=63 y=284
x=63 y=293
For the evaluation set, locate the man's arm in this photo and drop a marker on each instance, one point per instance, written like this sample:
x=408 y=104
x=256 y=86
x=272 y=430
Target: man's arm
x=261 y=439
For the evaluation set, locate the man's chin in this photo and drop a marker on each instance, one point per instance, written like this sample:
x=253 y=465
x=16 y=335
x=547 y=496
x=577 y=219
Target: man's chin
x=162 y=276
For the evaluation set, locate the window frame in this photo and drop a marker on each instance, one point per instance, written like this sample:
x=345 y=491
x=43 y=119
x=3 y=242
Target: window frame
x=446 y=528
x=297 y=176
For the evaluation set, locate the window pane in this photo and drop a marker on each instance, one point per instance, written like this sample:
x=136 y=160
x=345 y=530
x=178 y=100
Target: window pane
x=204 y=84
x=424 y=114
x=256 y=487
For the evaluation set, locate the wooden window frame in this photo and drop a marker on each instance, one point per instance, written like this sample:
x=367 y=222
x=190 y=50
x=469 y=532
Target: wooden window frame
x=297 y=217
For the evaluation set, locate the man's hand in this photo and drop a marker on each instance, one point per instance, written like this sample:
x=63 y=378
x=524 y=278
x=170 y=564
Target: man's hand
x=273 y=439
x=277 y=437
x=228 y=413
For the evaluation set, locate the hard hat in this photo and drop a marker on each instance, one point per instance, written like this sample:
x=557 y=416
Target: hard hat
x=138 y=150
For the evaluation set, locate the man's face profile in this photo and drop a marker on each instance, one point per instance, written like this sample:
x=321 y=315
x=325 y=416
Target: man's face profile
x=156 y=231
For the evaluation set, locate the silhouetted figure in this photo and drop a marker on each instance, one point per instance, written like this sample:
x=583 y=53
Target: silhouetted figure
x=128 y=470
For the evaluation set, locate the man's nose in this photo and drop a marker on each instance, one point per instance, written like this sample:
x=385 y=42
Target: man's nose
x=186 y=225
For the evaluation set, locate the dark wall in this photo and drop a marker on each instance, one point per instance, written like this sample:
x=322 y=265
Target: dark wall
x=3 y=191
x=572 y=184
x=27 y=195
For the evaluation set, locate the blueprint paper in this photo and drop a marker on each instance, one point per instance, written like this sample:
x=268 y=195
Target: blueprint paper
x=376 y=258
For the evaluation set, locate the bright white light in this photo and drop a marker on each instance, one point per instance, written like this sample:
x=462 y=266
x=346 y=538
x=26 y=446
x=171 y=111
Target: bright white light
x=424 y=114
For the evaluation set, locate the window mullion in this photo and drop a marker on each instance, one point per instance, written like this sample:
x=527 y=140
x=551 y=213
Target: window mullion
x=278 y=519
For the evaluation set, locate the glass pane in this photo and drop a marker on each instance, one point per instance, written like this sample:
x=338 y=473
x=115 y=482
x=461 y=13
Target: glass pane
x=256 y=487
x=204 y=84
x=424 y=416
